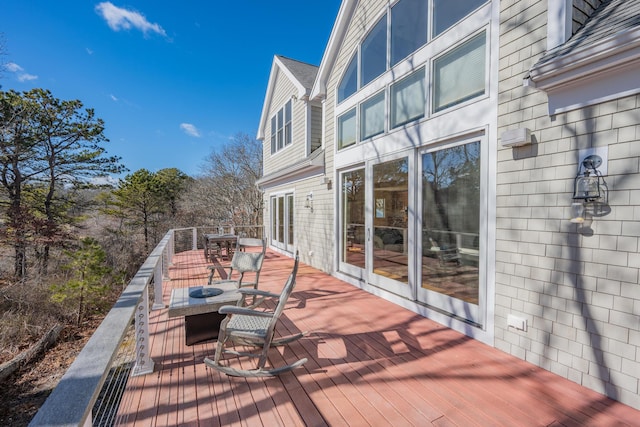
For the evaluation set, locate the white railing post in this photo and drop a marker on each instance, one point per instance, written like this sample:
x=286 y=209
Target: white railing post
x=144 y=363
x=158 y=277
x=195 y=239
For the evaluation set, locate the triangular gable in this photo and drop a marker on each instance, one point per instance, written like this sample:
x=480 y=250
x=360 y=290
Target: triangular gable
x=299 y=73
x=338 y=33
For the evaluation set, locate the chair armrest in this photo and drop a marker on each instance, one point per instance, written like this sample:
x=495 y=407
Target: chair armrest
x=233 y=309
x=257 y=292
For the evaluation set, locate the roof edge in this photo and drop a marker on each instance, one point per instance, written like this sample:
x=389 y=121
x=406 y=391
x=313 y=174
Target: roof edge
x=609 y=52
x=338 y=33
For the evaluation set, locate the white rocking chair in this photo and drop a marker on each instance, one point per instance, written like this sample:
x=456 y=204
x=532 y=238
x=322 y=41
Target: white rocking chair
x=250 y=327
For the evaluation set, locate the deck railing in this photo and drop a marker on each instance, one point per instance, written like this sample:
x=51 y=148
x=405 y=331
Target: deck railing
x=72 y=402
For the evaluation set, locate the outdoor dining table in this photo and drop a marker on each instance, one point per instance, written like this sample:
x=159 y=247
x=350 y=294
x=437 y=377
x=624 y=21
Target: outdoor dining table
x=216 y=243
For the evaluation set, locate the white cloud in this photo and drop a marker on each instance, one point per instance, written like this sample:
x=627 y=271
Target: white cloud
x=12 y=67
x=190 y=130
x=27 y=77
x=123 y=19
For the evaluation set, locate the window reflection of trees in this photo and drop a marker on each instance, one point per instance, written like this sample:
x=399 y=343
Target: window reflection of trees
x=353 y=236
x=451 y=221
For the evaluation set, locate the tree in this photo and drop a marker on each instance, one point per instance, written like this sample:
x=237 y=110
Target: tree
x=230 y=177
x=145 y=199
x=88 y=268
x=70 y=139
x=47 y=143
x=18 y=165
x=137 y=200
x=172 y=182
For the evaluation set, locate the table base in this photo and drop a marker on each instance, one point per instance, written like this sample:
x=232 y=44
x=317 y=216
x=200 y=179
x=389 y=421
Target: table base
x=203 y=327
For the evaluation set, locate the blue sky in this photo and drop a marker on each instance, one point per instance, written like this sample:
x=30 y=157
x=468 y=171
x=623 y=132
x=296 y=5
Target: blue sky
x=172 y=80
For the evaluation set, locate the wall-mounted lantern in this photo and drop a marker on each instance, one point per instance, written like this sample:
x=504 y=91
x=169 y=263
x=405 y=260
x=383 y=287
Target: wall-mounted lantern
x=589 y=187
x=308 y=202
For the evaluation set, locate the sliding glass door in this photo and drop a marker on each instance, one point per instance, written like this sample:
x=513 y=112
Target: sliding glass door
x=450 y=203
x=353 y=222
x=282 y=225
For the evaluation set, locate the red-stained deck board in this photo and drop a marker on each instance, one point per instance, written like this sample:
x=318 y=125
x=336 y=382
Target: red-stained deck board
x=370 y=363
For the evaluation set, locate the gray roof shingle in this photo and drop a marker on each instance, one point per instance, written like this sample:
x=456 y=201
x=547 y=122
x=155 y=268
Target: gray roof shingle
x=610 y=18
x=303 y=72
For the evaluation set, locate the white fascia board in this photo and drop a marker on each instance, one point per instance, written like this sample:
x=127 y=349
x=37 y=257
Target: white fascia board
x=599 y=56
x=267 y=101
x=309 y=166
x=605 y=70
x=559 y=21
x=338 y=33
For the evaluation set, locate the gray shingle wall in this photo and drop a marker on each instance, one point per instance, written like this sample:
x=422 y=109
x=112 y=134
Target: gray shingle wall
x=577 y=288
x=582 y=10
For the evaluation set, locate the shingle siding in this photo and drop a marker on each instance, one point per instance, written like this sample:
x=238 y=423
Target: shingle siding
x=283 y=91
x=576 y=286
x=582 y=10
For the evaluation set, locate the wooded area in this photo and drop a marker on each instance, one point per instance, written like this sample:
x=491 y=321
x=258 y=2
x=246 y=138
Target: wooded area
x=68 y=245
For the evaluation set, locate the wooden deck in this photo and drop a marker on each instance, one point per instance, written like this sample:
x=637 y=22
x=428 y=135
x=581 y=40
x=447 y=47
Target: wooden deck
x=371 y=363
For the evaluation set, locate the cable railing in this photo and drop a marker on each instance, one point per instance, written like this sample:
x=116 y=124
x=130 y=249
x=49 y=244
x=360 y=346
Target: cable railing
x=89 y=392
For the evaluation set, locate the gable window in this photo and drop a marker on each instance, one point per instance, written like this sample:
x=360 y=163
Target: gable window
x=372 y=116
x=373 y=53
x=347 y=129
x=349 y=83
x=408 y=99
x=281 y=135
x=446 y=13
x=459 y=75
x=287 y=123
x=274 y=128
x=409 y=20
x=404 y=29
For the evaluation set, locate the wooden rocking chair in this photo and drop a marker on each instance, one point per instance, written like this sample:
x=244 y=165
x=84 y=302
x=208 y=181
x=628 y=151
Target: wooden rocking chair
x=250 y=327
x=243 y=262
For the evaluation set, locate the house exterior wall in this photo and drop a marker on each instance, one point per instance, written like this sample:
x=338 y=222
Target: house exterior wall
x=474 y=120
x=282 y=92
x=311 y=227
x=575 y=285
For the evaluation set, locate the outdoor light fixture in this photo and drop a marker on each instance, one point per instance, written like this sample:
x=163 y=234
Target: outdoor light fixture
x=308 y=203
x=589 y=179
x=588 y=187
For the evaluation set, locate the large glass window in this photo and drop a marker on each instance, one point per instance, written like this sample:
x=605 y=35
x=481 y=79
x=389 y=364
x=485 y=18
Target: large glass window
x=408 y=99
x=281 y=128
x=349 y=83
x=290 y=219
x=273 y=134
x=353 y=219
x=447 y=12
x=390 y=220
x=459 y=75
x=409 y=20
x=373 y=53
x=372 y=116
x=282 y=221
x=347 y=129
x=451 y=221
x=287 y=123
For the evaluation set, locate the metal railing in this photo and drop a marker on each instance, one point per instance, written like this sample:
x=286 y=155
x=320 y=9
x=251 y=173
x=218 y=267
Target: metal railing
x=72 y=402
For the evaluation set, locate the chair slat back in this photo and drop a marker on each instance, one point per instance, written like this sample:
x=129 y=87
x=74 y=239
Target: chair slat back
x=244 y=261
x=285 y=294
